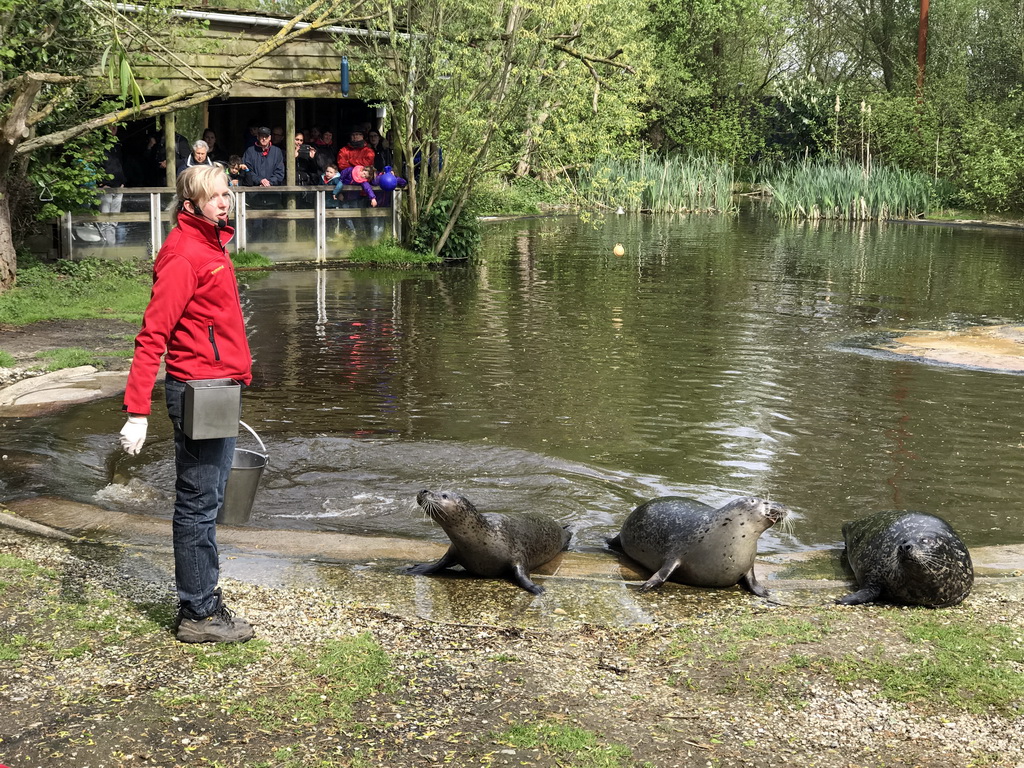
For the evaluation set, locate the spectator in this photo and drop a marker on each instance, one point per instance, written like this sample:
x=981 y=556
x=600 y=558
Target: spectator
x=382 y=152
x=216 y=154
x=277 y=137
x=194 y=291
x=356 y=152
x=361 y=175
x=236 y=170
x=325 y=151
x=110 y=200
x=158 y=156
x=330 y=178
x=306 y=169
x=251 y=136
x=200 y=155
x=264 y=162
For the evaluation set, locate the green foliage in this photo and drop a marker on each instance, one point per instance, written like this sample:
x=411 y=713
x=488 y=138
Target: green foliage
x=824 y=189
x=343 y=673
x=990 y=165
x=7 y=360
x=72 y=176
x=582 y=747
x=494 y=197
x=250 y=259
x=501 y=88
x=461 y=244
x=670 y=184
x=389 y=252
x=77 y=289
x=67 y=357
x=223 y=656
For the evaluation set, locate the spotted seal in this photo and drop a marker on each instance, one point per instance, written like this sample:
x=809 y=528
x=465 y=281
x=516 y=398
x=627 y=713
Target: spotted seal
x=491 y=544
x=907 y=557
x=690 y=542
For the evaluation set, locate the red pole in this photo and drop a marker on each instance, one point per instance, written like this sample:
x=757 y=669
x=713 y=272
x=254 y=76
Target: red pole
x=922 y=48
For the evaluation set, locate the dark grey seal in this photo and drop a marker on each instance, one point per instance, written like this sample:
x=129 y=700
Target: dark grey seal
x=907 y=557
x=689 y=542
x=491 y=544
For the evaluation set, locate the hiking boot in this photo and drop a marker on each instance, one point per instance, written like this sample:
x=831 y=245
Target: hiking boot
x=221 y=626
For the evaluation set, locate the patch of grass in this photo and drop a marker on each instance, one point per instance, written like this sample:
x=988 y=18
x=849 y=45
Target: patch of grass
x=7 y=360
x=963 y=664
x=24 y=567
x=249 y=259
x=68 y=357
x=388 y=252
x=728 y=642
x=221 y=656
x=581 y=747
x=74 y=290
x=326 y=686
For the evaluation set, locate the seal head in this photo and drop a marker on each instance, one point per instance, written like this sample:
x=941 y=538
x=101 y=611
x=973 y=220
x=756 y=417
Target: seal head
x=491 y=544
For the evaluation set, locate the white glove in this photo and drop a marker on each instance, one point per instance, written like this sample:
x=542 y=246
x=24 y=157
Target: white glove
x=133 y=434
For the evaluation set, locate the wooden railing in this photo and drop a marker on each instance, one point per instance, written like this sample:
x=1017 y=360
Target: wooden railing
x=252 y=204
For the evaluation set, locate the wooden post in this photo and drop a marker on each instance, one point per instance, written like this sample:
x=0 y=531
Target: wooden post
x=289 y=161
x=289 y=141
x=170 y=149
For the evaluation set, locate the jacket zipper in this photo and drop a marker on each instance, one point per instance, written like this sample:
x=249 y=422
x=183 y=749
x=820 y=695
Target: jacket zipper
x=213 y=343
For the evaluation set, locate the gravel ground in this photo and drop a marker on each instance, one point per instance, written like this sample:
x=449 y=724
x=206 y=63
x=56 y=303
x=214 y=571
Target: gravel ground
x=91 y=676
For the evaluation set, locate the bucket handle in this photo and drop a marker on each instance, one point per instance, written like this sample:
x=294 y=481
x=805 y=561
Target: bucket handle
x=253 y=433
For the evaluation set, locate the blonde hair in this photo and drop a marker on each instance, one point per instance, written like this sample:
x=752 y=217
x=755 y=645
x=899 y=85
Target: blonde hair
x=197 y=185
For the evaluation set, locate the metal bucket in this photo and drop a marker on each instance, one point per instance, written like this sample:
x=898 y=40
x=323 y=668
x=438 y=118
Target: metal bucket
x=244 y=479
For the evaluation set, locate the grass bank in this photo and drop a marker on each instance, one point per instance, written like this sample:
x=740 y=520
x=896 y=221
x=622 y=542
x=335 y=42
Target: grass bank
x=90 y=675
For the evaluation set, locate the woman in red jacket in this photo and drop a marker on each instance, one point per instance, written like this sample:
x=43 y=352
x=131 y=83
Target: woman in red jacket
x=356 y=152
x=194 y=321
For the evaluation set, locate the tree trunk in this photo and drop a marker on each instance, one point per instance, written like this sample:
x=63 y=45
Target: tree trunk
x=8 y=257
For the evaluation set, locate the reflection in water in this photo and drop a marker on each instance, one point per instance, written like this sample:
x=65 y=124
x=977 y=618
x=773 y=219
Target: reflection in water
x=550 y=374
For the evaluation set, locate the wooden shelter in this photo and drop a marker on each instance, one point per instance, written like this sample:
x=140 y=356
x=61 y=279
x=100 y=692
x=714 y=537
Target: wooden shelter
x=295 y=87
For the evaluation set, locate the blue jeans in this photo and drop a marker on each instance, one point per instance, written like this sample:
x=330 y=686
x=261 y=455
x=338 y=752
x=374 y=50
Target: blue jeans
x=202 y=469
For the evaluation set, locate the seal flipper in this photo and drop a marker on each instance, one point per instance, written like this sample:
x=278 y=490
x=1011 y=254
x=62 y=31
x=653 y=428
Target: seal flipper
x=660 y=577
x=521 y=578
x=448 y=559
x=866 y=595
x=615 y=543
x=750 y=583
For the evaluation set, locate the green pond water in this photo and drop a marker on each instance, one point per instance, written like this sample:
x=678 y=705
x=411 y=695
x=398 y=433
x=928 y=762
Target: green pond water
x=720 y=356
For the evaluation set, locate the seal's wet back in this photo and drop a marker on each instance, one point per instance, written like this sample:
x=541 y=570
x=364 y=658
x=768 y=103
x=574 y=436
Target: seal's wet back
x=913 y=558
x=491 y=544
x=687 y=541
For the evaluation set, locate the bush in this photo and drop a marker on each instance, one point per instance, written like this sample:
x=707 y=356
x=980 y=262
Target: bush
x=461 y=244
x=389 y=251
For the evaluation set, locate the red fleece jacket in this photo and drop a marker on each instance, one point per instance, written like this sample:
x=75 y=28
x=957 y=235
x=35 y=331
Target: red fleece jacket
x=351 y=156
x=194 y=314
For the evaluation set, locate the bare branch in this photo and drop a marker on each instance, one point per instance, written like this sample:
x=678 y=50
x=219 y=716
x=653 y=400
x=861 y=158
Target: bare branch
x=589 y=57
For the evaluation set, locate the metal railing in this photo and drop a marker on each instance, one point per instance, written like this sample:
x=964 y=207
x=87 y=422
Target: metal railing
x=282 y=220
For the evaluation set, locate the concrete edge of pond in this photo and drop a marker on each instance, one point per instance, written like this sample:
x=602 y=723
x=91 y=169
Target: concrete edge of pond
x=53 y=391
x=590 y=585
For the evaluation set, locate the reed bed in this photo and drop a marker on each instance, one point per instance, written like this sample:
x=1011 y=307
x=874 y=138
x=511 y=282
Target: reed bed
x=837 y=190
x=656 y=184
